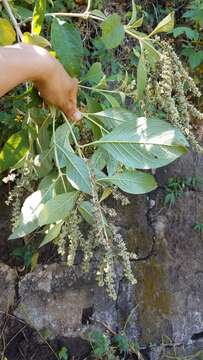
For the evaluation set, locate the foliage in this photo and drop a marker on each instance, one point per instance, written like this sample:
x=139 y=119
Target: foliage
x=28 y=254
x=66 y=170
x=112 y=347
x=192 y=41
x=177 y=186
x=63 y=353
x=198 y=227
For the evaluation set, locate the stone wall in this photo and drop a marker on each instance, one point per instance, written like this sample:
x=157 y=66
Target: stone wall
x=166 y=305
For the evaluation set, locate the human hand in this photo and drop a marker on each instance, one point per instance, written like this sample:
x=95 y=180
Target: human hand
x=22 y=62
x=59 y=89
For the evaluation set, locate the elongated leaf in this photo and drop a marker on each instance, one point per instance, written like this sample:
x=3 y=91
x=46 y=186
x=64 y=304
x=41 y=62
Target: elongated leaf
x=35 y=40
x=77 y=173
x=114 y=117
x=30 y=214
x=53 y=185
x=67 y=43
x=62 y=144
x=165 y=25
x=112 y=164
x=7 y=32
x=98 y=13
x=38 y=16
x=112 y=31
x=37 y=210
x=137 y=23
x=57 y=208
x=43 y=163
x=94 y=74
x=141 y=76
x=51 y=234
x=98 y=159
x=76 y=170
x=144 y=144
x=106 y=193
x=151 y=54
x=14 y=150
x=132 y=182
x=134 y=14
x=111 y=99
x=87 y=211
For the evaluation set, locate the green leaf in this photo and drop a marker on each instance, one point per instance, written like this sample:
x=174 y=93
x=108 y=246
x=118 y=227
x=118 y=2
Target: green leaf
x=100 y=343
x=122 y=342
x=57 y=208
x=196 y=59
x=114 y=117
x=38 y=16
x=78 y=173
x=87 y=211
x=30 y=214
x=144 y=144
x=62 y=144
x=67 y=43
x=112 y=31
x=106 y=193
x=137 y=23
x=63 y=353
x=21 y=12
x=112 y=164
x=7 y=32
x=151 y=54
x=51 y=234
x=43 y=163
x=111 y=99
x=190 y=33
x=166 y=25
x=99 y=13
x=141 y=76
x=132 y=182
x=134 y=14
x=14 y=150
x=34 y=39
x=94 y=74
x=98 y=159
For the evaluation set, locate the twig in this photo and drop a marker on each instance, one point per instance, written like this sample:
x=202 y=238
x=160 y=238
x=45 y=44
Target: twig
x=111 y=331
x=13 y=20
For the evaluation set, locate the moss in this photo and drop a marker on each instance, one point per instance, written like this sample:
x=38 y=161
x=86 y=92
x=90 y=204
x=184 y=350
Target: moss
x=154 y=298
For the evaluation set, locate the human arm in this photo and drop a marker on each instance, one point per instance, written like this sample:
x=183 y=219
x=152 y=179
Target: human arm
x=21 y=62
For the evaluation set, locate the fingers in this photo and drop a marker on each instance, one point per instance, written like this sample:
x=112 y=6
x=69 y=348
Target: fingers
x=73 y=114
x=70 y=107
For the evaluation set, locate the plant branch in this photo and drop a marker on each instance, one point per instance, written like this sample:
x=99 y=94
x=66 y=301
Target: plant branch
x=95 y=123
x=85 y=15
x=55 y=150
x=89 y=4
x=13 y=20
x=99 y=90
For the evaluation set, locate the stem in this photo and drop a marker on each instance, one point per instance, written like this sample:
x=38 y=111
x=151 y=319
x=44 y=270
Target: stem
x=89 y=144
x=85 y=15
x=96 y=123
x=13 y=20
x=89 y=4
x=73 y=136
x=55 y=151
x=99 y=90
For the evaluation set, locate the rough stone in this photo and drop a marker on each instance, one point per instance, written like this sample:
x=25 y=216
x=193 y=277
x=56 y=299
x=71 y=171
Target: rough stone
x=7 y=289
x=167 y=302
x=62 y=300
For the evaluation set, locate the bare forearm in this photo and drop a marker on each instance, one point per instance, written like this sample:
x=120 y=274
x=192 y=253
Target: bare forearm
x=19 y=63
